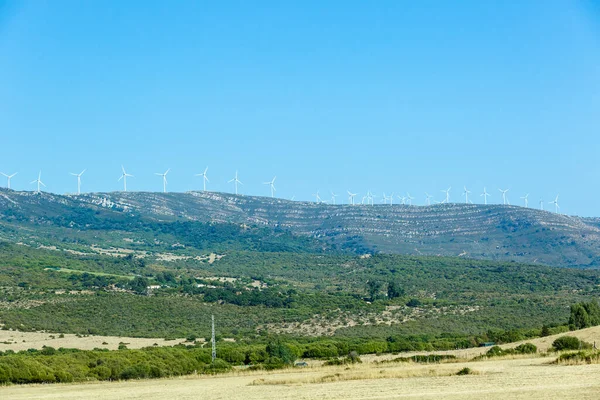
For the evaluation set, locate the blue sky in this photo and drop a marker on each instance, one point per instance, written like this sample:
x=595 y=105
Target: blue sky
x=392 y=96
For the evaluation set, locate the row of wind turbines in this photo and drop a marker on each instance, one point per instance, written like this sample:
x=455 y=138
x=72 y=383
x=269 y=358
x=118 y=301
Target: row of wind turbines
x=368 y=198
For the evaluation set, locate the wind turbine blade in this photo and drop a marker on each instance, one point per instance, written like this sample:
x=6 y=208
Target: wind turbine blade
x=33 y=182
x=167 y=171
x=42 y=183
x=4 y=174
x=121 y=177
x=81 y=173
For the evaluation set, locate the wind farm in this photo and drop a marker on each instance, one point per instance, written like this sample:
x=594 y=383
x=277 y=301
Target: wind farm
x=367 y=199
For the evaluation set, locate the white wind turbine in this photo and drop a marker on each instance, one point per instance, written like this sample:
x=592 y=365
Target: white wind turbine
x=8 y=178
x=526 y=199
x=164 y=179
x=124 y=177
x=402 y=199
x=409 y=198
x=392 y=199
x=333 y=196
x=318 y=197
x=504 y=199
x=485 y=195
x=78 y=180
x=428 y=198
x=351 y=197
x=39 y=182
x=542 y=204
x=372 y=196
x=236 y=181
x=271 y=184
x=447 y=191
x=385 y=199
x=555 y=202
x=466 y=193
x=204 y=178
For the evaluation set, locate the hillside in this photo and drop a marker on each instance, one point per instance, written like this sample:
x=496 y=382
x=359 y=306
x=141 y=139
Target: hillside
x=493 y=232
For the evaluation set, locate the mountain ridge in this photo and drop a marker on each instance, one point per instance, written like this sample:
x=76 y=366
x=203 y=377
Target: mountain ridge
x=498 y=232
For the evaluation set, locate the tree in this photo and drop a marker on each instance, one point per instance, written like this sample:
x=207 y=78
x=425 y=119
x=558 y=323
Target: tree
x=139 y=284
x=374 y=287
x=579 y=318
x=545 y=331
x=394 y=290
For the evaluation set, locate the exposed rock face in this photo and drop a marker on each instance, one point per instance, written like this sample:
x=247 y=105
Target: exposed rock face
x=486 y=231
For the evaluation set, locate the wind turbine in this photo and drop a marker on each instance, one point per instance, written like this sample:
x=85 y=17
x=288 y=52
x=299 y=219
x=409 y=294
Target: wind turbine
x=466 y=193
x=555 y=202
x=526 y=198
x=542 y=204
x=272 y=186
x=204 y=178
x=8 y=177
x=409 y=198
x=402 y=199
x=428 y=198
x=317 y=196
x=333 y=196
x=385 y=199
x=124 y=177
x=447 y=191
x=164 y=176
x=485 y=195
x=504 y=199
x=39 y=182
x=351 y=197
x=78 y=180
x=392 y=199
x=235 y=182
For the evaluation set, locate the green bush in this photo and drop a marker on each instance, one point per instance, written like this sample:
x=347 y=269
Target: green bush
x=569 y=343
x=526 y=348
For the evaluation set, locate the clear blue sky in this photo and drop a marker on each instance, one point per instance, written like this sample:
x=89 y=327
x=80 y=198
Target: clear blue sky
x=394 y=96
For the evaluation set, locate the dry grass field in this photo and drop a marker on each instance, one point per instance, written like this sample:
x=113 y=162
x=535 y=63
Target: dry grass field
x=526 y=378
x=13 y=340
x=517 y=377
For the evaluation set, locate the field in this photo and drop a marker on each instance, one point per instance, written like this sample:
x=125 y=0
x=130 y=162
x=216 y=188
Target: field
x=519 y=377
x=17 y=341
x=531 y=378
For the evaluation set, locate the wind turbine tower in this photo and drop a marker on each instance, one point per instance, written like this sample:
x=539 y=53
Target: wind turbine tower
x=236 y=181
x=204 y=178
x=409 y=198
x=333 y=196
x=124 y=177
x=39 y=182
x=351 y=197
x=447 y=191
x=428 y=198
x=485 y=195
x=526 y=199
x=317 y=196
x=271 y=184
x=466 y=193
x=542 y=204
x=164 y=176
x=8 y=178
x=78 y=180
x=555 y=202
x=504 y=199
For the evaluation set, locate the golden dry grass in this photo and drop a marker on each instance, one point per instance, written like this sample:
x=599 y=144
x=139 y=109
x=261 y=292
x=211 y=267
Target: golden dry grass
x=17 y=341
x=496 y=379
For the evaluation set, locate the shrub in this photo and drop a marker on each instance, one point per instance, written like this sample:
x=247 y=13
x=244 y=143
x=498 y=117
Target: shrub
x=465 y=371
x=569 y=343
x=526 y=348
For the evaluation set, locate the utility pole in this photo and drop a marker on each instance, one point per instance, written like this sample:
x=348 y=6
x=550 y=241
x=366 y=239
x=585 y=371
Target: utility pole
x=214 y=343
